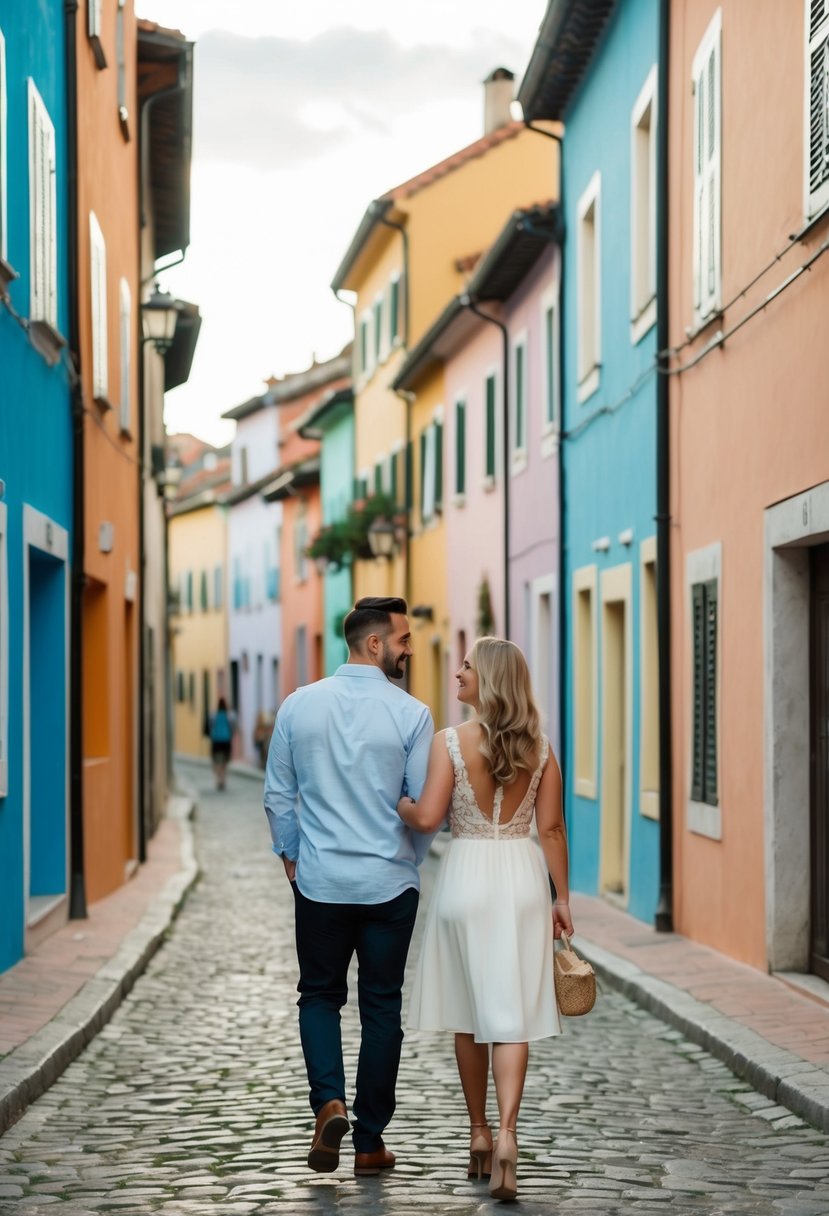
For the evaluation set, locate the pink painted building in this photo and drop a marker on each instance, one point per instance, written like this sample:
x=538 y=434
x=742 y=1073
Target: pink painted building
x=748 y=198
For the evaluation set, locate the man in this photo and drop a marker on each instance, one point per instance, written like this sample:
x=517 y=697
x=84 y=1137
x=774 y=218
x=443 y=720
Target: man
x=342 y=752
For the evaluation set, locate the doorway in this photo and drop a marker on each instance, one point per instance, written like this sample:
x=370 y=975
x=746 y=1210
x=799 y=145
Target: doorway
x=616 y=734
x=819 y=760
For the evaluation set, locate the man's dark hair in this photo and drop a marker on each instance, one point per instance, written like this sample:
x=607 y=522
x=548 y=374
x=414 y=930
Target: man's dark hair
x=371 y=614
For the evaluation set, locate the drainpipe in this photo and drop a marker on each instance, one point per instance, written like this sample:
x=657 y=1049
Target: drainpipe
x=663 y=920
x=77 y=877
x=562 y=498
x=467 y=302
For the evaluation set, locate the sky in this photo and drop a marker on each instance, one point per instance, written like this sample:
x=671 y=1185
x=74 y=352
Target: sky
x=303 y=113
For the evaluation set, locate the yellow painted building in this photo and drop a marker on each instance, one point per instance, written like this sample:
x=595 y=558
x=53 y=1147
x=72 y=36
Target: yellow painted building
x=410 y=255
x=198 y=580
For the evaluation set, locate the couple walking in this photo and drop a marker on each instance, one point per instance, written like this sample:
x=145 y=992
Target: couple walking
x=356 y=788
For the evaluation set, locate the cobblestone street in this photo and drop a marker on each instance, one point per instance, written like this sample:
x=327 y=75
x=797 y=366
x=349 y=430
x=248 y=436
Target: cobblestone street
x=193 y=1099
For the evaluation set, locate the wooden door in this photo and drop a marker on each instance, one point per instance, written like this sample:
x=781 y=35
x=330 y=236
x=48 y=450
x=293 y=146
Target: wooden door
x=819 y=719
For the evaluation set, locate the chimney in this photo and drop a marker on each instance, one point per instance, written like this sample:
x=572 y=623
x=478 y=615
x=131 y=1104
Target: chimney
x=499 y=91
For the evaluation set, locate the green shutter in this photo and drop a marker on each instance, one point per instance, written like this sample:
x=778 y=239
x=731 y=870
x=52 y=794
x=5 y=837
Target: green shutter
x=203 y=591
x=395 y=479
x=438 y=468
x=490 y=426
x=378 y=329
x=378 y=477
x=423 y=442
x=520 y=438
x=394 y=309
x=698 y=727
x=363 y=345
x=549 y=344
x=460 y=447
x=409 y=475
x=710 y=737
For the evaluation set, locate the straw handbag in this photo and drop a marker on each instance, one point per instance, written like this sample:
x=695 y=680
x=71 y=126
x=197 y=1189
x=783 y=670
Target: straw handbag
x=575 y=981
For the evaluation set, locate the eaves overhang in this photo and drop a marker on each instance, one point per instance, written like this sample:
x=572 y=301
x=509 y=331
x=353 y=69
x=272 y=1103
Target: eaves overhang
x=567 y=40
x=376 y=211
x=296 y=477
x=515 y=251
x=165 y=90
x=313 y=423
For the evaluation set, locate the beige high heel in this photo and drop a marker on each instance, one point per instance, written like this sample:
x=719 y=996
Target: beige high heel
x=480 y=1152
x=503 y=1183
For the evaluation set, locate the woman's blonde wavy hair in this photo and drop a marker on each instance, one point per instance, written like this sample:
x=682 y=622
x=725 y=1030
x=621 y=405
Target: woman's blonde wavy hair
x=509 y=717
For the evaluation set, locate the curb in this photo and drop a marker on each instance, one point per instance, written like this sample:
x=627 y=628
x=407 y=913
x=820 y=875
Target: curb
x=786 y=1078
x=29 y=1070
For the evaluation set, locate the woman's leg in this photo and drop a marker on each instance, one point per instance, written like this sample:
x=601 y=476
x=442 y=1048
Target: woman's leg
x=509 y=1068
x=473 y=1066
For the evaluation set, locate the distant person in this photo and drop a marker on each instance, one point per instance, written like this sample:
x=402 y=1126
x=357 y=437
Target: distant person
x=221 y=740
x=486 y=967
x=343 y=751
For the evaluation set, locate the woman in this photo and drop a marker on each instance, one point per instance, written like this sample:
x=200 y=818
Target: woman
x=486 y=965
x=221 y=738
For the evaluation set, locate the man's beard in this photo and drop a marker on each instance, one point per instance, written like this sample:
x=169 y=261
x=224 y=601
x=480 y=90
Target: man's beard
x=393 y=668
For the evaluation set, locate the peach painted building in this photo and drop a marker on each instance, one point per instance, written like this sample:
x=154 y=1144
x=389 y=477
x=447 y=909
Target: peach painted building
x=749 y=299
x=109 y=308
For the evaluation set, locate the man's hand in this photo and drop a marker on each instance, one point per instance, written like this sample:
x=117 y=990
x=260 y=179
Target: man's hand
x=290 y=867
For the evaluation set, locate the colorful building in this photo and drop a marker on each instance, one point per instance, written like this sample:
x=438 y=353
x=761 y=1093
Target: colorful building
x=197 y=534
x=749 y=291
x=594 y=68
x=36 y=480
x=406 y=261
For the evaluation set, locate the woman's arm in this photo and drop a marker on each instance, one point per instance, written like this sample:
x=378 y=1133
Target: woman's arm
x=429 y=812
x=552 y=836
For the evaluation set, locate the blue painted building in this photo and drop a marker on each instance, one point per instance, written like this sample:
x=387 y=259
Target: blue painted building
x=332 y=422
x=595 y=69
x=36 y=473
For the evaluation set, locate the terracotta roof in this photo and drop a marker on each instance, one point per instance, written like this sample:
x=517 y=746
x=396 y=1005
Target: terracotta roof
x=568 y=37
x=480 y=147
x=153 y=27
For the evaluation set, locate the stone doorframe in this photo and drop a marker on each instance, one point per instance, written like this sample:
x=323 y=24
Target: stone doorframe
x=792 y=527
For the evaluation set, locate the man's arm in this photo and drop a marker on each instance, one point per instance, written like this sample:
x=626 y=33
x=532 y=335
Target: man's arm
x=281 y=793
x=414 y=778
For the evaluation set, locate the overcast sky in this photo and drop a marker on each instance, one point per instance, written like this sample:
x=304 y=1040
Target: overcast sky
x=303 y=114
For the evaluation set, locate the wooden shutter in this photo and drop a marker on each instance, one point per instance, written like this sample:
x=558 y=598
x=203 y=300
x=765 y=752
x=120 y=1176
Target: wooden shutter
x=424 y=443
x=817 y=131
x=698 y=692
x=710 y=738
x=704 y=610
x=125 y=335
x=378 y=477
x=98 y=298
x=707 y=83
x=520 y=441
x=490 y=426
x=409 y=475
x=460 y=447
x=394 y=310
x=42 y=188
x=438 y=465
x=394 y=476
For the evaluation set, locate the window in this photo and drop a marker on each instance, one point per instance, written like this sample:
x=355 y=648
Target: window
x=4 y=658
x=123 y=111
x=394 y=311
x=490 y=423
x=380 y=349
x=301 y=544
x=243 y=466
x=238 y=591
x=180 y=694
x=363 y=346
x=649 y=682
x=191 y=689
x=4 y=221
x=460 y=448
x=218 y=588
x=589 y=289
x=706 y=73
x=395 y=474
x=643 y=210
x=703 y=580
x=94 y=26
x=428 y=473
x=98 y=298
x=43 y=305
x=203 y=597
x=378 y=475
x=584 y=679
x=817 y=106
x=438 y=429
x=125 y=333
x=519 y=399
x=189 y=590
x=301 y=655
x=550 y=371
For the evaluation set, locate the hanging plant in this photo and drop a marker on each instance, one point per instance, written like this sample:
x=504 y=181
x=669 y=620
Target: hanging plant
x=348 y=538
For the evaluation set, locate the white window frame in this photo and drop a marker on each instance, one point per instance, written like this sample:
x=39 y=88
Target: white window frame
x=643 y=211
x=125 y=328
x=707 y=201
x=550 y=427
x=814 y=201
x=4 y=214
x=98 y=306
x=519 y=411
x=43 y=305
x=589 y=361
x=4 y=655
x=702 y=566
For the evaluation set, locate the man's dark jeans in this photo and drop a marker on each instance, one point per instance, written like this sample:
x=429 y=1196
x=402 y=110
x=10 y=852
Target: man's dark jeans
x=327 y=936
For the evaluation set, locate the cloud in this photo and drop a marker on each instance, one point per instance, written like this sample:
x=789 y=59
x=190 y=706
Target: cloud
x=279 y=102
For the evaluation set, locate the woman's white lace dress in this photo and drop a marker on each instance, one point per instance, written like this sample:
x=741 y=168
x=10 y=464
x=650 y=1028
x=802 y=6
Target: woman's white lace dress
x=486 y=962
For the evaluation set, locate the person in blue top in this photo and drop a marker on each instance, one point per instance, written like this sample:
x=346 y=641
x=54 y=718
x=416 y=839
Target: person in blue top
x=342 y=751
x=221 y=738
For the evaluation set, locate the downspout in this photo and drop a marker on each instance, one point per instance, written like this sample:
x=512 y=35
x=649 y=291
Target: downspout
x=77 y=877
x=663 y=920
x=467 y=302
x=562 y=498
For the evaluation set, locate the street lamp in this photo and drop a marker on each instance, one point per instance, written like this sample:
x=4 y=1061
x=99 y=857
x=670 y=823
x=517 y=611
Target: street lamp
x=382 y=537
x=159 y=315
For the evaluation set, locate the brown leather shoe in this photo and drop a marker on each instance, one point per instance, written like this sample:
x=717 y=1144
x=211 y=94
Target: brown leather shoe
x=366 y=1164
x=332 y=1124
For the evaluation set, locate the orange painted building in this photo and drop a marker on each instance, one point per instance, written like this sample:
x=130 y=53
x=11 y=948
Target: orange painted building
x=296 y=485
x=748 y=300
x=109 y=298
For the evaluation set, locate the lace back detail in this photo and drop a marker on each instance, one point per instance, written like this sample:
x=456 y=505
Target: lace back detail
x=465 y=816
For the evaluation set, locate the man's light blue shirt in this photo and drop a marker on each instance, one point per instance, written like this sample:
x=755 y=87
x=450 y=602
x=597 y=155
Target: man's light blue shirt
x=343 y=752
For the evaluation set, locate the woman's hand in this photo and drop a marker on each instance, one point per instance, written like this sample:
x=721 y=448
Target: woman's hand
x=562 y=920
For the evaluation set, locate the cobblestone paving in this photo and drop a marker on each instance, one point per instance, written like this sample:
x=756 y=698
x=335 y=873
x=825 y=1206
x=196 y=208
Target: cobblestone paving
x=194 y=1099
